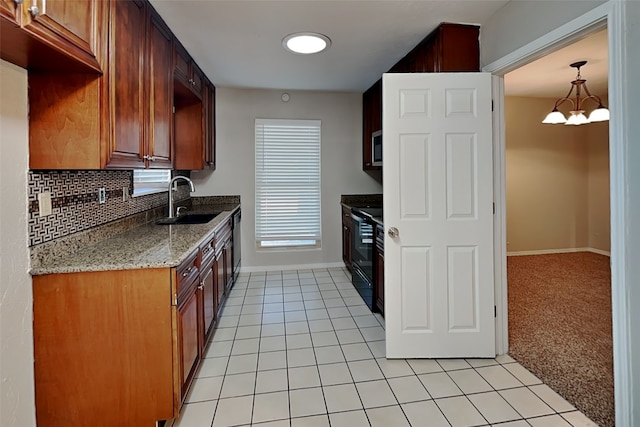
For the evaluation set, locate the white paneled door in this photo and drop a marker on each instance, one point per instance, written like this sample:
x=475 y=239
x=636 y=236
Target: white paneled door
x=438 y=215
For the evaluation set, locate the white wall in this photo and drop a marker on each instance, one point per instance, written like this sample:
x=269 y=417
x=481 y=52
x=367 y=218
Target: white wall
x=521 y=22
x=557 y=180
x=16 y=314
x=629 y=107
x=341 y=116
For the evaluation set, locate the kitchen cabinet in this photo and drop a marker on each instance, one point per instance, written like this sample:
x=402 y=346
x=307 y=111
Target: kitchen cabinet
x=449 y=48
x=207 y=288
x=224 y=239
x=378 y=273
x=372 y=122
x=219 y=281
x=187 y=72
x=209 y=100
x=140 y=78
x=122 y=120
x=54 y=35
x=105 y=348
x=347 y=230
x=9 y=15
x=189 y=315
x=194 y=117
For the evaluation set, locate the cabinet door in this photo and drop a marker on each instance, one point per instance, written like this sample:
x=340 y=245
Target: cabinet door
x=127 y=42
x=9 y=11
x=228 y=265
x=372 y=122
x=197 y=80
x=346 y=246
x=160 y=92
x=218 y=284
x=210 y=126
x=69 y=25
x=379 y=280
x=208 y=302
x=181 y=64
x=189 y=345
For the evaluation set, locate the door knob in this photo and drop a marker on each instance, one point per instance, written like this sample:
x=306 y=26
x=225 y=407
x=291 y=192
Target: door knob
x=393 y=232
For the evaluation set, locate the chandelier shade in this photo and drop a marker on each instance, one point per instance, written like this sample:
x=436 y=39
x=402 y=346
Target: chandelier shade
x=577 y=117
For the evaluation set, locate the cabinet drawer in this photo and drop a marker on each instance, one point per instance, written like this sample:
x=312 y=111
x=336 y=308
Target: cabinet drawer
x=187 y=274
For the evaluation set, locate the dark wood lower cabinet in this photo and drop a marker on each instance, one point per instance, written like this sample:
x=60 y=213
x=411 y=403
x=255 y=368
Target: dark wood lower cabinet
x=379 y=269
x=141 y=333
x=208 y=300
x=347 y=230
x=188 y=341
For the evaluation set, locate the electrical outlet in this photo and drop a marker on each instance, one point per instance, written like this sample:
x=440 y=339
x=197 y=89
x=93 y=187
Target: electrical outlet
x=125 y=194
x=102 y=195
x=44 y=203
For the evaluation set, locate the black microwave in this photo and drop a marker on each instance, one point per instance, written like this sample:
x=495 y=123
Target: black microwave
x=376 y=148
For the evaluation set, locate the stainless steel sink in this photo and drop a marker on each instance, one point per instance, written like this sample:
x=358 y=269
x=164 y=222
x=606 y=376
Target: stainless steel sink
x=189 y=218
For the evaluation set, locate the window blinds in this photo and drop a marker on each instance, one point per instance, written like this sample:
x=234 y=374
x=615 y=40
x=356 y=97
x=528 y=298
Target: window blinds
x=287 y=182
x=151 y=177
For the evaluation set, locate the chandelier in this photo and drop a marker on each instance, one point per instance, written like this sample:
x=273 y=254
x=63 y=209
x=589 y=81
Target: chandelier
x=577 y=117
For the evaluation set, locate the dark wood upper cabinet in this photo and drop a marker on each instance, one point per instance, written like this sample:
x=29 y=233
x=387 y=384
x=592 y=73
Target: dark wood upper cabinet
x=187 y=73
x=122 y=119
x=210 y=126
x=62 y=35
x=449 y=48
x=160 y=93
x=194 y=118
x=126 y=79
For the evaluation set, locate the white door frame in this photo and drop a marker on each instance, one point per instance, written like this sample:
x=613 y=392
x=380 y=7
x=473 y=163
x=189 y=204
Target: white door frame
x=608 y=15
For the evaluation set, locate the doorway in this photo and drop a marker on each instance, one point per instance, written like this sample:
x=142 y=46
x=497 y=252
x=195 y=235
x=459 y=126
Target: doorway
x=557 y=230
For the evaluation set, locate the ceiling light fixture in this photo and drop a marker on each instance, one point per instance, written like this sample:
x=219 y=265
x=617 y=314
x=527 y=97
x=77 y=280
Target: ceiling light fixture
x=577 y=117
x=306 y=43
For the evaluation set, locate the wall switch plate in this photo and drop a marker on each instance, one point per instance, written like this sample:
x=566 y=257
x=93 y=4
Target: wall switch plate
x=44 y=203
x=125 y=194
x=102 y=195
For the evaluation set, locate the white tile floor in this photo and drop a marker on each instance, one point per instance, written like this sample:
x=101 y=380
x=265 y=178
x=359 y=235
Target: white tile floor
x=300 y=349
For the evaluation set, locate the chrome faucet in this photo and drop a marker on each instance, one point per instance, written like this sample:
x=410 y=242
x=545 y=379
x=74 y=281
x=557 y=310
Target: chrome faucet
x=171 y=184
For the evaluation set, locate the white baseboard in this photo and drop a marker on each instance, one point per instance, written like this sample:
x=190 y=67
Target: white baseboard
x=255 y=269
x=559 y=251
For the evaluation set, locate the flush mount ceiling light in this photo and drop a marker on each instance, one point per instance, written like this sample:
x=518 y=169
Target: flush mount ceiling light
x=577 y=117
x=306 y=43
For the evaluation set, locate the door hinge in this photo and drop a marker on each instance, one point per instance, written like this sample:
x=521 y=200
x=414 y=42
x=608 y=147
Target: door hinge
x=495 y=311
x=494 y=208
x=492 y=105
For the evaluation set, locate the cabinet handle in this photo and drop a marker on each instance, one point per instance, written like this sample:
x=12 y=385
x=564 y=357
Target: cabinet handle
x=34 y=11
x=201 y=287
x=187 y=272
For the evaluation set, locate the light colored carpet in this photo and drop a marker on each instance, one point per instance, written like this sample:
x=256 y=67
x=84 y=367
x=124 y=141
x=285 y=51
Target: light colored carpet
x=560 y=326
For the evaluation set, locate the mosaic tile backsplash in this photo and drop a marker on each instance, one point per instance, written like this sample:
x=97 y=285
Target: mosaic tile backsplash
x=74 y=201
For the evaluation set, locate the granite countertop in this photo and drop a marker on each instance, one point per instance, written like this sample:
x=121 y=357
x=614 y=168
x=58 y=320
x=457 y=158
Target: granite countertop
x=145 y=246
x=360 y=201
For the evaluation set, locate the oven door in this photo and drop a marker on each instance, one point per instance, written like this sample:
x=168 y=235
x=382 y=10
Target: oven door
x=363 y=285
x=362 y=247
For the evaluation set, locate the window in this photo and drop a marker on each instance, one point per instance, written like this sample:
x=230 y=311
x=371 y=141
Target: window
x=148 y=181
x=287 y=183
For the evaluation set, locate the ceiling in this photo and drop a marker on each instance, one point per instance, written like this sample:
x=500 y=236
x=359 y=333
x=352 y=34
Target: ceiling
x=238 y=43
x=551 y=75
